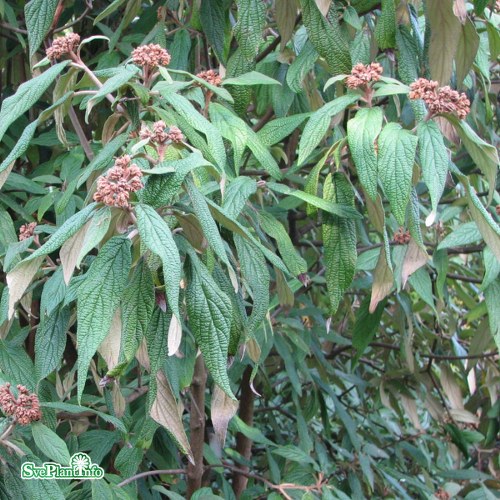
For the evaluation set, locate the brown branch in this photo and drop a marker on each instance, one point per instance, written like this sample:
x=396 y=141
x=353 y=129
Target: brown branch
x=159 y=472
x=244 y=444
x=467 y=279
x=13 y=28
x=197 y=426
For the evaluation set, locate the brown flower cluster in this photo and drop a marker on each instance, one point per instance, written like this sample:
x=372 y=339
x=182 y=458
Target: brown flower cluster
x=150 y=56
x=26 y=408
x=160 y=135
x=440 y=99
x=211 y=76
x=26 y=231
x=402 y=237
x=442 y=494
x=361 y=75
x=114 y=188
x=63 y=45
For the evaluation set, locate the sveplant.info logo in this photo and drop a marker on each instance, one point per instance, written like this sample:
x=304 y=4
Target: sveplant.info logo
x=80 y=467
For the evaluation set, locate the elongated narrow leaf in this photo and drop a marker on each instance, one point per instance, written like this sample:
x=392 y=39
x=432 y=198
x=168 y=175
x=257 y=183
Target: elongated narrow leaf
x=50 y=443
x=256 y=275
x=339 y=237
x=365 y=327
x=327 y=37
x=237 y=194
x=210 y=314
x=385 y=31
x=98 y=298
x=362 y=132
x=338 y=209
x=273 y=228
x=397 y=149
x=157 y=236
x=276 y=130
x=18 y=150
x=248 y=29
x=27 y=94
x=207 y=222
x=50 y=341
x=136 y=308
x=39 y=18
x=318 y=124
x=434 y=159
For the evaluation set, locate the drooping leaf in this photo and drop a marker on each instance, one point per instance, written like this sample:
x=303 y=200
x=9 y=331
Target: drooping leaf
x=157 y=236
x=468 y=45
x=248 y=29
x=136 y=309
x=214 y=20
x=50 y=443
x=327 y=37
x=339 y=237
x=237 y=194
x=434 y=159
x=98 y=298
x=362 y=132
x=27 y=94
x=396 y=156
x=385 y=30
x=317 y=126
x=209 y=311
x=222 y=410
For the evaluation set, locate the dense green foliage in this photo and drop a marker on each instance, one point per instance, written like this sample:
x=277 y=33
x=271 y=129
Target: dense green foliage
x=276 y=280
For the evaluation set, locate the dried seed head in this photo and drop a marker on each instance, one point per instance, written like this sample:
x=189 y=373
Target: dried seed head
x=440 y=100
x=211 y=76
x=361 y=75
x=402 y=237
x=150 y=56
x=114 y=188
x=26 y=231
x=159 y=135
x=63 y=45
x=26 y=408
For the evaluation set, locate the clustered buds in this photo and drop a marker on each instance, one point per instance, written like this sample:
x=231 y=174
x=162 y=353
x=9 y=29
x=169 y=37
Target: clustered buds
x=211 y=76
x=63 y=45
x=361 y=75
x=440 y=99
x=150 y=56
x=160 y=135
x=25 y=408
x=114 y=188
x=26 y=231
x=402 y=237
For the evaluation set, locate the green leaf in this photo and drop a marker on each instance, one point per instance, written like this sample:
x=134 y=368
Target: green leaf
x=434 y=159
x=273 y=228
x=209 y=311
x=27 y=94
x=485 y=155
x=237 y=194
x=276 y=130
x=50 y=341
x=98 y=298
x=462 y=235
x=339 y=239
x=295 y=454
x=156 y=235
x=300 y=67
x=123 y=75
x=97 y=229
x=396 y=156
x=17 y=365
x=76 y=409
x=251 y=78
x=365 y=327
x=187 y=111
x=39 y=15
x=207 y=222
x=136 y=309
x=492 y=298
x=50 y=443
x=240 y=134
x=18 y=150
x=248 y=29
x=318 y=124
x=337 y=209
x=214 y=19
x=362 y=132
x=327 y=37
x=385 y=30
